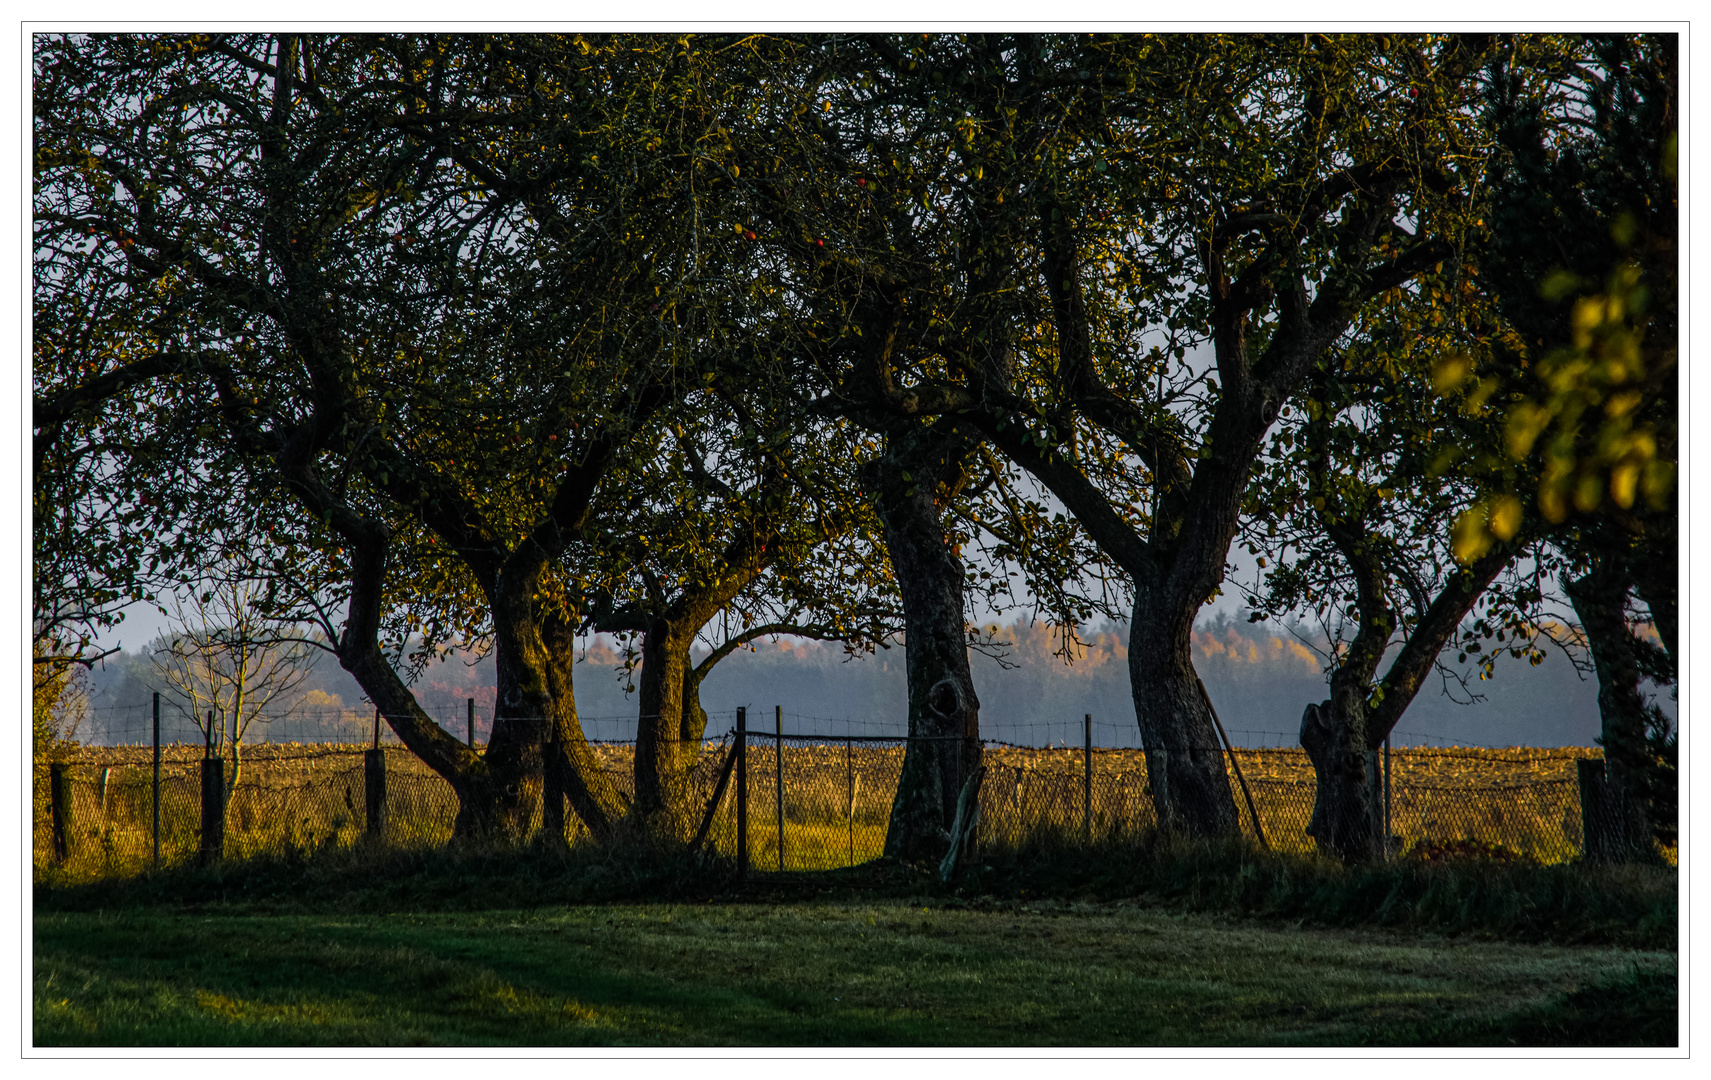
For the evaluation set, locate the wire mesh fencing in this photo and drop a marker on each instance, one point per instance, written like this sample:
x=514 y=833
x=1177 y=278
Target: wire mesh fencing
x=1524 y=801
x=805 y=801
x=812 y=802
x=816 y=801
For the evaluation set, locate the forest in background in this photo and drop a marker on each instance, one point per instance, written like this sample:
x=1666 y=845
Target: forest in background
x=1259 y=681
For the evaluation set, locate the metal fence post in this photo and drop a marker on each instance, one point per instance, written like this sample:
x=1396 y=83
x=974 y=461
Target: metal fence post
x=742 y=792
x=778 y=769
x=157 y=781
x=849 y=782
x=1087 y=777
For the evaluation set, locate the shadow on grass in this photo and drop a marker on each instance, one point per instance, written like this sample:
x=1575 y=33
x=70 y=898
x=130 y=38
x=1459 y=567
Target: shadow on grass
x=1568 y=903
x=1635 y=1009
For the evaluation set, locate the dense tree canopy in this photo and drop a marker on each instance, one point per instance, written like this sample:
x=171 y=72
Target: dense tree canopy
x=487 y=341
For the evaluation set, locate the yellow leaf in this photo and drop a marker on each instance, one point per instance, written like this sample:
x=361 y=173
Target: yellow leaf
x=1622 y=403
x=1526 y=421
x=1506 y=517
x=1658 y=478
x=1469 y=538
x=1624 y=479
x=1588 y=493
x=1450 y=372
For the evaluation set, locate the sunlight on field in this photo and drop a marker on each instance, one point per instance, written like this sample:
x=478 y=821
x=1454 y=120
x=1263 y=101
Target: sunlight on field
x=835 y=807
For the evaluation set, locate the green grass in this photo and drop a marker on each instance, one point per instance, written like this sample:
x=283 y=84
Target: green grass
x=1567 y=904
x=1636 y=1006
x=1144 y=943
x=891 y=972
x=1564 y=903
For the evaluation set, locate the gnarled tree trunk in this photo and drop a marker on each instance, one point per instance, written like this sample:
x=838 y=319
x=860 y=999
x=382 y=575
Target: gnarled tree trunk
x=1341 y=734
x=495 y=789
x=1344 y=823
x=579 y=776
x=944 y=713
x=1173 y=717
x=671 y=721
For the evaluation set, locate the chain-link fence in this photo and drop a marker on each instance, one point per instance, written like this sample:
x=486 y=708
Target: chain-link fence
x=811 y=800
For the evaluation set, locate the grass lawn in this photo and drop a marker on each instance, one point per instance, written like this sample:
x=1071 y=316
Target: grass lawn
x=862 y=972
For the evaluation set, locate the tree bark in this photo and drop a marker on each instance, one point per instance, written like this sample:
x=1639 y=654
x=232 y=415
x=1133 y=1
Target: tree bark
x=581 y=777
x=1196 y=796
x=667 y=738
x=671 y=721
x=1334 y=734
x=534 y=696
x=944 y=712
x=1657 y=578
x=1600 y=600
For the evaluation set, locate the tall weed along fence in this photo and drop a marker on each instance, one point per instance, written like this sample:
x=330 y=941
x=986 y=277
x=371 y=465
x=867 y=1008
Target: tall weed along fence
x=804 y=799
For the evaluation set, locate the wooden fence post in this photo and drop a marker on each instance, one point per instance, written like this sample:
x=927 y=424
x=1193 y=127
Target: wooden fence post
x=157 y=781
x=471 y=739
x=59 y=809
x=963 y=826
x=374 y=790
x=213 y=808
x=1230 y=752
x=713 y=803
x=742 y=792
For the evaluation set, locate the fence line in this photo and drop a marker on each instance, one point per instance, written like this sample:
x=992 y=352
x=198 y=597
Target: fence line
x=817 y=800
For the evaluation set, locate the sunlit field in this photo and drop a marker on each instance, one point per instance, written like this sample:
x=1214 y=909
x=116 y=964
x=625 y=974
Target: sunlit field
x=835 y=806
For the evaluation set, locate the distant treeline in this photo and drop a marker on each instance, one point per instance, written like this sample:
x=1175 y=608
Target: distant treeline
x=1258 y=680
